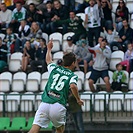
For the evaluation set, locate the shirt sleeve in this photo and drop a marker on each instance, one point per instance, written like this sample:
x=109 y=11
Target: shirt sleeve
x=51 y=66
x=74 y=80
x=86 y=10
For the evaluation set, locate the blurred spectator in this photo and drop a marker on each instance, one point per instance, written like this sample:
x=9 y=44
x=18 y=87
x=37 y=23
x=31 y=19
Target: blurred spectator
x=119 y=78
x=93 y=21
x=60 y=13
x=128 y=58
x=36 y=2
x=35 y=33
x=48 y=14
x=40 y=53
x=75 y=25
x=33 y=15
x=121 y=13
x=75 y=109
x=70 y=46
x=10 y=2
x=125 y=36
x=82 y=53
x=3 y=55
x=28 y=55
x=107 y=12
x=100 y=41
x=70 y=4
x=100 y=67
x=110 y=34
x=9 y=40
x=81 y=7
x=18 y=14
x=5 y=16
x=23 y=33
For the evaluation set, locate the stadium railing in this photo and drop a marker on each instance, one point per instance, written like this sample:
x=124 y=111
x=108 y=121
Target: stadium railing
x=103 y=106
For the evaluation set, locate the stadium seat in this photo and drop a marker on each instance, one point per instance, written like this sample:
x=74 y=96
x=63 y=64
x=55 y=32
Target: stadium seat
x=80 y=83
x=116 y=57
x=130 y=84
x=56 y=36
x=17 y=124
x=57 y=56
x=19 y=80
x=12 y=102
x=45 y=36
x=1 y=101
x=116 y=101
x=128 y=101
x=2 y=35
x=64 y=44
x=27 y=102
x=20 y=75
x=4 y=123
x=15 y=61
x=114 y=6
x=131 y=75
x=67 y=34
x=86 y=83
x=5 y=81
x=79 y=1
x=99 y=101
x=81 y=15
x=129 y=5
x=101 y=81
x=29 y=124
x=38 y=100
x=33 y=81
x=62 y=2
x=56 y=46
x=88 y=101
x=44 y=80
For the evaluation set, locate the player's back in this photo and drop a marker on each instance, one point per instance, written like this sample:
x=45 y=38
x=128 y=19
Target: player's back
x=58 y=85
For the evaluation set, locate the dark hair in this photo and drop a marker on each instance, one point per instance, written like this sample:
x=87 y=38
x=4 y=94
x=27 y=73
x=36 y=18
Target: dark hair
x=68 y=59
x=10 y=28
x=3 y=4
x=32 y=4
x=124 y=19
x=44 y=40
x=104 y=40
x=19 y=2
x=117 y=65
x=48 y=2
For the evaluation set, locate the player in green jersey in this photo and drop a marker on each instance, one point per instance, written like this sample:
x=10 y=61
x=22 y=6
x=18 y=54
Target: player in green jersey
x=56 y=93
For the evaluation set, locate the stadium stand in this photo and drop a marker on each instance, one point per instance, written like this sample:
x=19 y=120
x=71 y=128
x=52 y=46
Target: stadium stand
x=20 y=93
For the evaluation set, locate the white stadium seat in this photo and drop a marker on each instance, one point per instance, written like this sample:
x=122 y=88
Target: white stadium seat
x=33 y=81
x=12 y=102
x=116 y=101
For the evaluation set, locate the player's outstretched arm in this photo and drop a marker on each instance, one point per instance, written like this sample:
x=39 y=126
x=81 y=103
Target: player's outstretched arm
x=48 y=54
x=74 y=90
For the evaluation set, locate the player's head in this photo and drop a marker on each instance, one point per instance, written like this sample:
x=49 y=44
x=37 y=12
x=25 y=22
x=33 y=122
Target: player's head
x=69 y=60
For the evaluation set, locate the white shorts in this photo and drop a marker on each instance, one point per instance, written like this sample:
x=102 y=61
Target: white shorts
x=56 y=113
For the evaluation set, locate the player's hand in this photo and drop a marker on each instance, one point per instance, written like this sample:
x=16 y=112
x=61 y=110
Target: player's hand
x=50 y=44
x=80 y=102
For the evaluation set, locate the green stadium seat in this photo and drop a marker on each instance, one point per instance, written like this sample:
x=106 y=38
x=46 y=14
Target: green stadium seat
x=4 y=123
x=49 y=128
x=17 y=124
x=29 y=124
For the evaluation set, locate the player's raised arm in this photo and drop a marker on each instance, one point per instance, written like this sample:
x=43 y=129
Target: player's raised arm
x=48 y=54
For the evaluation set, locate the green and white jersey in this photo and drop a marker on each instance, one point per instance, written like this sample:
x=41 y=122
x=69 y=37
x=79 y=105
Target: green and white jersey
x=57 y=87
